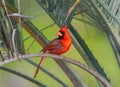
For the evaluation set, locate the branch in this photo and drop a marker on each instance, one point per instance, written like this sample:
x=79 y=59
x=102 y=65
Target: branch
x=71 y=9
x=23 y=76
x=89 y=70
x=48 y=73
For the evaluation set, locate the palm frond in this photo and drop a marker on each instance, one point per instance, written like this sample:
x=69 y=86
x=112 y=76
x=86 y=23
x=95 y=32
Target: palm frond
x=23 y=76
x=101 y=14
x=92 y=59
x=42 y=40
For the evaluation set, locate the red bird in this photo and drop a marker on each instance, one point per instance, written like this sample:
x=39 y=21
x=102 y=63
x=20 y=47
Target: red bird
x=57 y=46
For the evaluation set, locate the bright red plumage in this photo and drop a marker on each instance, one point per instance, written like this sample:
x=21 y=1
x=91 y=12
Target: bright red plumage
x=57 y=46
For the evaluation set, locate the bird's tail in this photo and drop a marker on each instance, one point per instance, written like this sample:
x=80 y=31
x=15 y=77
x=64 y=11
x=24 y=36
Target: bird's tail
x=40 y=63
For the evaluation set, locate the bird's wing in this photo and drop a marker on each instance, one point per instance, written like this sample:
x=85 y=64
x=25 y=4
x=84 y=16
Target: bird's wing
x=55 y=44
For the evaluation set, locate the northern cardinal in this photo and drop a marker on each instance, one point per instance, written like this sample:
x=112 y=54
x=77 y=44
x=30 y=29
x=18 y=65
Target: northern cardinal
x=57 y=46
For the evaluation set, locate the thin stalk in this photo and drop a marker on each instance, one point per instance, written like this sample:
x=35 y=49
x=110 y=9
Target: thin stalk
x=70 y=60
x=23 y=76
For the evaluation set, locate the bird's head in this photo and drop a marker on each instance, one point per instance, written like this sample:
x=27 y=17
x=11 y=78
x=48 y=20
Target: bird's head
x=63 y=32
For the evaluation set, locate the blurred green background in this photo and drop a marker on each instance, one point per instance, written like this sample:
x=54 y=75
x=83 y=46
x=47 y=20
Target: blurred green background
x=95 y=39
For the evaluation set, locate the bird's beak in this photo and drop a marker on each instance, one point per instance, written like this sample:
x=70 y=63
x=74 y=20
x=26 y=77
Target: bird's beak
x=59 y=34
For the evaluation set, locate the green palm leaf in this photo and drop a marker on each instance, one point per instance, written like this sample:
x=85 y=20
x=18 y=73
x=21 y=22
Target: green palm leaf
x=101 y=14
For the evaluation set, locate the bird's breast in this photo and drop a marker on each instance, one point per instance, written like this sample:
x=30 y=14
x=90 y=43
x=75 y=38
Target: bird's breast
x=67 y=44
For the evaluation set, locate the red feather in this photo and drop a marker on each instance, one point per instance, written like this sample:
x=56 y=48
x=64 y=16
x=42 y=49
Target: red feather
x=57 y=46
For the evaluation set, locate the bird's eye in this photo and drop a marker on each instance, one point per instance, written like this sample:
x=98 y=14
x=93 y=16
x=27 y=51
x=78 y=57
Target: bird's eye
x=61 y=35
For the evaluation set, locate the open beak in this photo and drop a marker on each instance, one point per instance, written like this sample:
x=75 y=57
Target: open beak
x=59 y=34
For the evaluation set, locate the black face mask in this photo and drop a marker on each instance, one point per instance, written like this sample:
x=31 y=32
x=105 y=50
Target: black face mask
x=61 y=37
